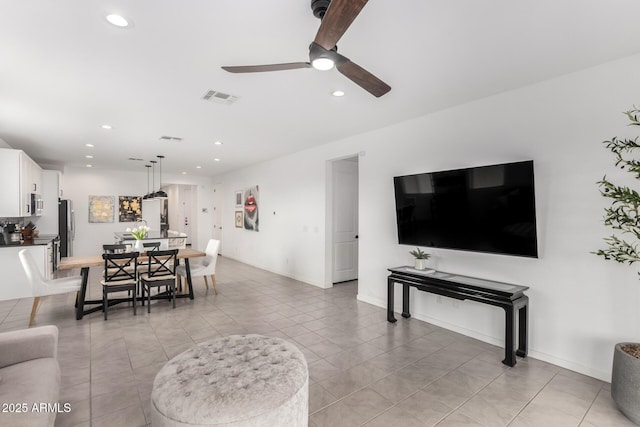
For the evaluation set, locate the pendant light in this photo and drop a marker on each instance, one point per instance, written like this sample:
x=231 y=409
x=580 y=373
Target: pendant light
x=160 y=193
x=153 y=179
x=148 y=195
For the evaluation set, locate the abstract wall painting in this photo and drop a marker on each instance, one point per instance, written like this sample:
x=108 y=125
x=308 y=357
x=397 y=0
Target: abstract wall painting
x=129 y=208
x=101 y=208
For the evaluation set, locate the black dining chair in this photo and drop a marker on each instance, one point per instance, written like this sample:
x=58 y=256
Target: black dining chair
x=151 y=246
x=160 y=271
x=120 y=274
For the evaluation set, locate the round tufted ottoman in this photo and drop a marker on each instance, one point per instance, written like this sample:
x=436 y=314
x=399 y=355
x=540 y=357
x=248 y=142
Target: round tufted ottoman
x=239 y=381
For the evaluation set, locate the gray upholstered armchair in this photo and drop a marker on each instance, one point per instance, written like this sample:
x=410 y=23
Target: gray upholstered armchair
x=29 y=375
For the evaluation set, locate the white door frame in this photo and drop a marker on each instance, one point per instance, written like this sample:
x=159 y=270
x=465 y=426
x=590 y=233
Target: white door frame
x=329 y=204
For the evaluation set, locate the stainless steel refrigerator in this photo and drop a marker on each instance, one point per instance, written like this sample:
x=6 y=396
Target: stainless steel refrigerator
x=66 y=227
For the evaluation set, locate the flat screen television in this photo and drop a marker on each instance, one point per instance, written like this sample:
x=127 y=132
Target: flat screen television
x=483 y=209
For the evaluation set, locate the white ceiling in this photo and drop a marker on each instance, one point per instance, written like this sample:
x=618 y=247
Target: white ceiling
x=64 y=71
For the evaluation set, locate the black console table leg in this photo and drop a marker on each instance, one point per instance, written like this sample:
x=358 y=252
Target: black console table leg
x=390 y=317
x=405 y=301
x=523 y=327
x=509 y=336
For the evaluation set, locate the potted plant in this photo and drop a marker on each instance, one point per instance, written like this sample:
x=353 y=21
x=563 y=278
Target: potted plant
x=623 y=216
x=139 y=233
x=420 y=259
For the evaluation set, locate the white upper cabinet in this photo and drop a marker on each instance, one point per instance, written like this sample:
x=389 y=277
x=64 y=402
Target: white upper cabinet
x=20 y=177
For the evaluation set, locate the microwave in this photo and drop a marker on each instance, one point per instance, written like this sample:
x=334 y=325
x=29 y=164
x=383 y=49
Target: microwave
x=37 y=205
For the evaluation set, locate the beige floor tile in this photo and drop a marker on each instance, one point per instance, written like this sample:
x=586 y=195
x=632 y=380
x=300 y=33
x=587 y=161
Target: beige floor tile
x=409 y=373
x=395 y=417
x=458 y=420
x=131 y=416
x=604 y=413
x=337 y=414
x=319 y=398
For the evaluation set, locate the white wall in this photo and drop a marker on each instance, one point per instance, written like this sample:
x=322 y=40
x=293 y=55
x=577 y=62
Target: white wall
x=79 y=183
x=580 y=304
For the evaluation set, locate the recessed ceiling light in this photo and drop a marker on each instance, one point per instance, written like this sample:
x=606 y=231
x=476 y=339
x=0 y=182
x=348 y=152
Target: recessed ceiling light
x=198 y=167
x=184 y=173
x=337 y=93
x=89 y=145
x=89 y=166
x=108 y=127
x=89 y=156
x=117 y=20
x=216 y=160
x=217 y=143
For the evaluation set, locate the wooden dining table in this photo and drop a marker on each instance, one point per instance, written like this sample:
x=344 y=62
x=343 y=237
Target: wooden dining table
x=86 y=262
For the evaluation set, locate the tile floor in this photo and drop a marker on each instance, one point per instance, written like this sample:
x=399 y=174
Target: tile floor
x=363 y=370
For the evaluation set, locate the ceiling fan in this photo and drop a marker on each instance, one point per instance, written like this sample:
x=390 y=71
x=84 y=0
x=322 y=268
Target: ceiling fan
x=336 y=16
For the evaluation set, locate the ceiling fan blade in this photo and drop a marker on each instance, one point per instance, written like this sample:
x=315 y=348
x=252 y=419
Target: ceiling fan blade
x=362 y=77
x=270 y=67
x=339 y=15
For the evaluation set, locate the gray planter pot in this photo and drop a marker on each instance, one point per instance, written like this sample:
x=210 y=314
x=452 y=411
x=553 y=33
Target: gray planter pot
x=625 y=383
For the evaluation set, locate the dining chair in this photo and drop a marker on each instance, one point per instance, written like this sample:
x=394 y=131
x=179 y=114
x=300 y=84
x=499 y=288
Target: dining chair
x=120 y=274
x=142 y=264
x=160 y=271
x=206 y=267
x=151 y=246
x=43 y=287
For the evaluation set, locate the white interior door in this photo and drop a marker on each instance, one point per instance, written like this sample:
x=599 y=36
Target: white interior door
x=345 y=220
x=217 y=215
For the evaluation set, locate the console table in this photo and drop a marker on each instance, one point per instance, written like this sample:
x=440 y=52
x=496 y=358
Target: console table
x=507 y=296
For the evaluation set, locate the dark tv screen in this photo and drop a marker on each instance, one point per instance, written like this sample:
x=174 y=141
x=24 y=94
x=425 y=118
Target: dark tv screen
x=482 y=209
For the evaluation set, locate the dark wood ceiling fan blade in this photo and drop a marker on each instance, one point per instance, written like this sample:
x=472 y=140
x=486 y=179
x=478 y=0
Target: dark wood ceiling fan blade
x=362 y=77
x=339 y=15
x=263 y=68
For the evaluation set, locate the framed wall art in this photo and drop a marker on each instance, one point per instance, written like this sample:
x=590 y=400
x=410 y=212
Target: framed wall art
x=129 y=208
x=239 y=219
x=101 y=208
x=250 y=207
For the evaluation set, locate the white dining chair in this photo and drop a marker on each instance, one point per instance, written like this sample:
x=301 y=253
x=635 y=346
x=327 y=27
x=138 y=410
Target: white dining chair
x=43 y=287
x=205 y=267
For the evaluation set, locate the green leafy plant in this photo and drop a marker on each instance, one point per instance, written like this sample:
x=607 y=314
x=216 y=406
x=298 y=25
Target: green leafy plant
x=418 y=254
x=624 y=213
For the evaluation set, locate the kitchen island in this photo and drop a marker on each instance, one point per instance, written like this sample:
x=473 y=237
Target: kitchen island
x=14 y=282
x=167 y=240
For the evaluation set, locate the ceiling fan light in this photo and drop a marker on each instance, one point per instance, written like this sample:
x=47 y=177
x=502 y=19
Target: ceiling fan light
x=322 y=64
x=117 y=20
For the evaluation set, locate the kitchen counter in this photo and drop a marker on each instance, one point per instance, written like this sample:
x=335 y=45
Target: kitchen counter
x=14 y=283
x=151 y=235
x=166 y=241
x=40 y=240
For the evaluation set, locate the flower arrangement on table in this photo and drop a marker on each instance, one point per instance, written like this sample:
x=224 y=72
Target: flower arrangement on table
x=139 y=233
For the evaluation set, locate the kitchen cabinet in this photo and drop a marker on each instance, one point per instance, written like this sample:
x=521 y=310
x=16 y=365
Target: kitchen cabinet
x=20 y=177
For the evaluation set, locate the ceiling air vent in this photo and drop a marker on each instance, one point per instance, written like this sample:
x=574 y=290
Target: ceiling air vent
x=220 y=97
x=170 y=138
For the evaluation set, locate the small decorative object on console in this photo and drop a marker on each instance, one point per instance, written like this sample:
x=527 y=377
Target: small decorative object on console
x=420 y=259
